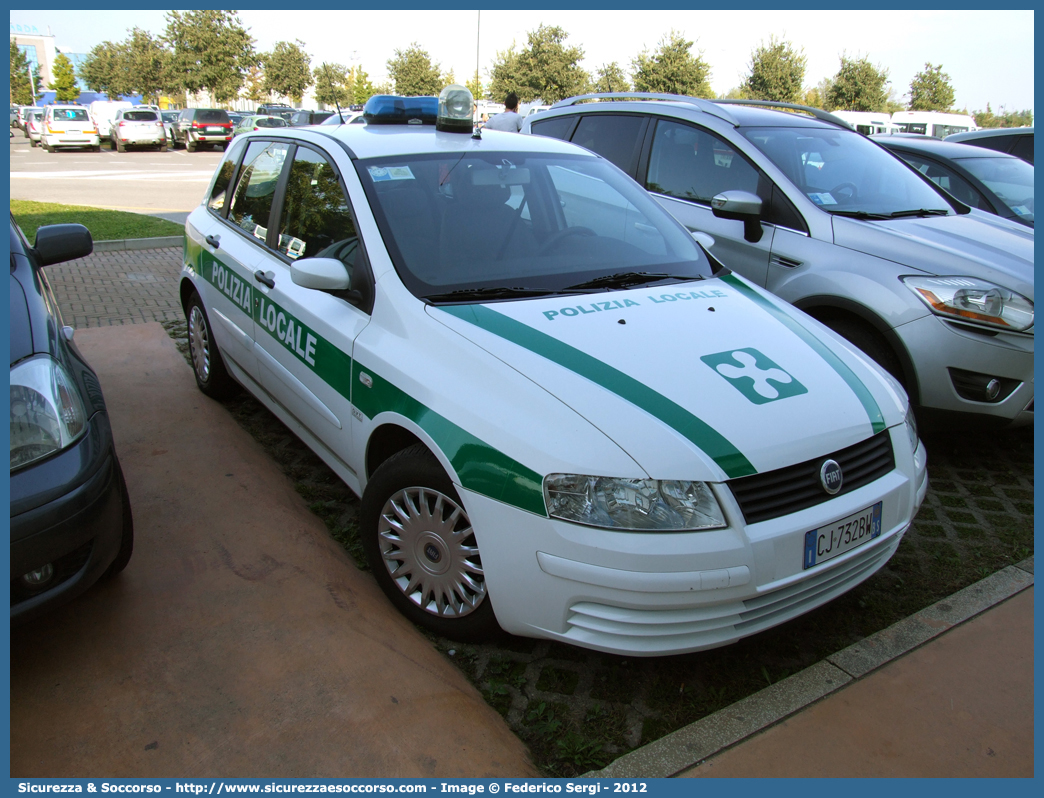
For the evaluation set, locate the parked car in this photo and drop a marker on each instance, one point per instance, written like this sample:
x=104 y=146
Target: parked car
x=985 y=179
x=346 y=117
x=34 y=127
x=137 y=127
x=68 y=126
x=103 y=114
x=562 y=416
x=169 y=118
x=14 y=116
x=236 y=117
x=939 y=294
x=71 y=522
x=275 y=109
x=1017 y=141
x=251 y=123
x=301 y=118
x=207 y=127
x=23 y=114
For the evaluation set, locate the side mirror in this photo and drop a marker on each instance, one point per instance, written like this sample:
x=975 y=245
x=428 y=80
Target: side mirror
x=57 y=243
x=705 y=239
x=322 y=274
x=742 y=206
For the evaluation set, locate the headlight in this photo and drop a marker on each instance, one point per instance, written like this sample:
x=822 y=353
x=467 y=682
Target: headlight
x=975 y=301
x=911 y=429
x=637 y=505
x=46 y=412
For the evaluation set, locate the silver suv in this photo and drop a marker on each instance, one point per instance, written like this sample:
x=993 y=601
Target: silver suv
x=939 y=294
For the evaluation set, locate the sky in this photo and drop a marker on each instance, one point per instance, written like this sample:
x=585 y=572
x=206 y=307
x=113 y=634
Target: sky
x=987 y=54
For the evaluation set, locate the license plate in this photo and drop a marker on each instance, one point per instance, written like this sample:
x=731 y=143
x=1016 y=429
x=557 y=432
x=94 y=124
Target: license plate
x=215 y=130
x=849 y=533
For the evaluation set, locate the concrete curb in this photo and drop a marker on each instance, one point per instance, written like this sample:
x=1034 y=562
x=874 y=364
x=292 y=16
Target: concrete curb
x=708 y=736
x=127 y=244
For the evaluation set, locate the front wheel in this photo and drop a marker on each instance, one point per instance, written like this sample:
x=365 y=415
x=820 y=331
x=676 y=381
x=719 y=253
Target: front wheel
x=127 y=537
x=212 y=377
x=423 y=552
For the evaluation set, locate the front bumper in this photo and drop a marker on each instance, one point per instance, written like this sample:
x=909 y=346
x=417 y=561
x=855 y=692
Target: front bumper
x=66 y=511
x=642 y=594
x=937 y=346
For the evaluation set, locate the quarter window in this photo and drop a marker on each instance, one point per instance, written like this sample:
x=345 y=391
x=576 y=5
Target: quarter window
x=317 y=221
x=558 y=127
x=219 y=191
x=615 y=138
x=252 y=202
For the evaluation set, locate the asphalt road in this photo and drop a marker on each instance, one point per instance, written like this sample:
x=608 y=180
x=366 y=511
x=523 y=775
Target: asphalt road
x=168 y=184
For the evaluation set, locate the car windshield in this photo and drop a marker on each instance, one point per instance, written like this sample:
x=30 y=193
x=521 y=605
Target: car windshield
x=516 y=223
x=1011 y=179
x=139 y=116
x=845 y=173
x=270 y=121
x=210 y=115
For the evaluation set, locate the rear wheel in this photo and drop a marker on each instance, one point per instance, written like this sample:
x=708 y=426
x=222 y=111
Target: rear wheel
x=423 y=552
x=207 y=364
x=33 y=142
x=121 y=147
x=162 y=146
x=96 y=148
x=190 y=145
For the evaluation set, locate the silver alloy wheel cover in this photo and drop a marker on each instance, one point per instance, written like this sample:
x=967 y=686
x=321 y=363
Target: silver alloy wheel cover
x=199 y=343
x=417 y=523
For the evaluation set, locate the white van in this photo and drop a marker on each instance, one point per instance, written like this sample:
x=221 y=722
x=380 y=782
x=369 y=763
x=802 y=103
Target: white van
x=868 y=123
x=103 y=112
x=933 y=123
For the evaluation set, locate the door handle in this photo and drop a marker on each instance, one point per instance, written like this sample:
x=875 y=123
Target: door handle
x=214 y=241
x=263 y=279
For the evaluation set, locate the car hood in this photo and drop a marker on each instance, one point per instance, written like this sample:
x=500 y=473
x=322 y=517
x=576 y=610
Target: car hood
x=974 y=245
x=713 y=366
x=21 y=331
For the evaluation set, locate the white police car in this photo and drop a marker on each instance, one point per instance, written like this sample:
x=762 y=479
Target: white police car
x=562 y=415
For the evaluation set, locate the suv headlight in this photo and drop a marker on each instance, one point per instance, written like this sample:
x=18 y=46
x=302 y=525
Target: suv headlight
x=974 y=301
x=635 y=505
x=46 y=411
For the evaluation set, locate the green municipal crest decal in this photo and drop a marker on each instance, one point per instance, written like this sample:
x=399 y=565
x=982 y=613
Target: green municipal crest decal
x=754 y=375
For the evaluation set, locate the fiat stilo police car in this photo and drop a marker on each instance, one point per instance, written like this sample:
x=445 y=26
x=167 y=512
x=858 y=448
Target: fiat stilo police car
x=563 y=417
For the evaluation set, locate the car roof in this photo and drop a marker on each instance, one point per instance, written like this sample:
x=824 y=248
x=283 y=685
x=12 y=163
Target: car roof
x=378 y=141
x=989 y=133
x=951 y=150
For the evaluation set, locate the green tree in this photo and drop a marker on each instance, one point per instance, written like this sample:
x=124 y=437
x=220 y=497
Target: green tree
x=362 y=87
x=546 y=69
x=413 y=73
x=673 y=69
x=288 y=70
x=776 y=72
x=858 y=86
x=332 y=85
x=254 y=85
x=1002 y=118
x=475 y=87
x=22 y=85
x=64 y=85
x=148 y=63
x=930 y=90
x=212 y=51
x=611 y=78
x=106 y=69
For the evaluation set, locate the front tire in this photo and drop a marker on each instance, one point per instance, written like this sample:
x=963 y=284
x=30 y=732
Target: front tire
x=127 y=538
x=423 y=552
x=208 y=366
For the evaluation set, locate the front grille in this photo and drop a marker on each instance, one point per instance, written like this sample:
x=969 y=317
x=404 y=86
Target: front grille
x=762 y=497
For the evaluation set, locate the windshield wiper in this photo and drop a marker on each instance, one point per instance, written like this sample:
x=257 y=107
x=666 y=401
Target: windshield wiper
x=861 y=214
x=919 y=212
x=496 y=292
x=624 y=279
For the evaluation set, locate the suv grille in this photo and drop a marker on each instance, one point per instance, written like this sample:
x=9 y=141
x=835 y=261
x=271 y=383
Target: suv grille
x=770 y=495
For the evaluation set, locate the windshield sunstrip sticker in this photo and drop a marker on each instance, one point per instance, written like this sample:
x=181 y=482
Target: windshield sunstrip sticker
x=862 y=393
x=705 y=437
x=480 y=467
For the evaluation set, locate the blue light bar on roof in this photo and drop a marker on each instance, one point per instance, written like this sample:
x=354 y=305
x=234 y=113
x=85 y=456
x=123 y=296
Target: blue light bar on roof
x=387 y=109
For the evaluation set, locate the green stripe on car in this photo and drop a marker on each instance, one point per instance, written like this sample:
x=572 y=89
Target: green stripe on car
x=705 y=437
x=862 y=393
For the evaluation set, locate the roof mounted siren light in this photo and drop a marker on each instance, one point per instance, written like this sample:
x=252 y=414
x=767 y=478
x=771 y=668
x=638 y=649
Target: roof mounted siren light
x=388 y=109
x=455 y=110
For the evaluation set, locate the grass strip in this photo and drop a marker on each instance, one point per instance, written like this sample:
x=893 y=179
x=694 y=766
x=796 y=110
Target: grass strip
x=105 y=225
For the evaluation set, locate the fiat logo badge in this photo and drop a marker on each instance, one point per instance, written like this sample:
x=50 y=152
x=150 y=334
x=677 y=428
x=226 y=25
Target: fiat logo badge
x=830 y=476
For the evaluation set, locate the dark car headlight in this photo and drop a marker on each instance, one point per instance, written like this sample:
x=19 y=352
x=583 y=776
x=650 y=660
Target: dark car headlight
x=47 y=414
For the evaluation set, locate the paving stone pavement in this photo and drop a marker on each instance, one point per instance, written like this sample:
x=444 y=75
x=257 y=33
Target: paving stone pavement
x=578 y=709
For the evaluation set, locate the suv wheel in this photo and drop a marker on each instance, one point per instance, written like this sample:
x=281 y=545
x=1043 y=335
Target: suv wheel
x=207 y=364
x=190 y=145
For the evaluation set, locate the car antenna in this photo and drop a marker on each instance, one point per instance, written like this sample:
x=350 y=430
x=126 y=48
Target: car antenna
x=339 y=114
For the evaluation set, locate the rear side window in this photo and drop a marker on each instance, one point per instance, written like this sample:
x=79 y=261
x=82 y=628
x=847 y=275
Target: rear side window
x=317 y=222
x=252 y=202
x=140 y=116
x=219 y=191
x=558 y=127
x=618 y=139
x=1023 y=148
